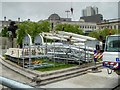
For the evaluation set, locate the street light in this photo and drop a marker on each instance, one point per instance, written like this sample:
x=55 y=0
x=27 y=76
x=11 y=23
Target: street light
x=29 y=55
x=67 y=11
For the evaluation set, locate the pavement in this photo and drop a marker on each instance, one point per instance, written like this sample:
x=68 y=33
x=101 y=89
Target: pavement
x=89 y=80
x=6 y=72
x=16 y=68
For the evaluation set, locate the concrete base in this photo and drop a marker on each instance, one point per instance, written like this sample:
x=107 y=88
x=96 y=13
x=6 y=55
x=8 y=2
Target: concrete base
x=95 y=70
x=90 y=80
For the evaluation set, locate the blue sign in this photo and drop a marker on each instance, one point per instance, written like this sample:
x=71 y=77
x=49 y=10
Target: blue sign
x=95 y=51
x=117 y=60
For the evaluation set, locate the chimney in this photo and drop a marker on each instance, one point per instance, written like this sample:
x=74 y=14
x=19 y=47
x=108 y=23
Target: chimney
x=28 y=19
x=4 y=18
x=18 y=19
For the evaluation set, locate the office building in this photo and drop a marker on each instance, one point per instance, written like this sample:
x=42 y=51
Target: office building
x=90 y=14
x=90 y=11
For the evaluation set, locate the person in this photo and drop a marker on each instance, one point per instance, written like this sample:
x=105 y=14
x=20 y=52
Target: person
x=103 y=42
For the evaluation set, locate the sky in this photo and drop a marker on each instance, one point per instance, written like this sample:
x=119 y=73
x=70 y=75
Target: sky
x=36 y=10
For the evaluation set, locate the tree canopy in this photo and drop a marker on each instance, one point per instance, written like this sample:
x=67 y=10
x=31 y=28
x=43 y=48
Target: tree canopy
x=103 y=33
x=4 y=32
x=32 y=28
x=69 y=28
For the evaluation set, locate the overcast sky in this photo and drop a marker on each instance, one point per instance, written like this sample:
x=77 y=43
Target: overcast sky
x=36 y=11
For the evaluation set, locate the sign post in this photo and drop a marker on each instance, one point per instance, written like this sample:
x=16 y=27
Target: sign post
x=27 y=42
x=95 y=59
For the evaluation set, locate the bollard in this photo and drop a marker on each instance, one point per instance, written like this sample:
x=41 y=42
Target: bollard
x=95 y=69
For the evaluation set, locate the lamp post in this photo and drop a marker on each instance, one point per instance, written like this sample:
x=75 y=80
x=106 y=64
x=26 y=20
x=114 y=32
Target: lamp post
x=54 y=51
x=67 y=11
x=23 y=55
x=79 y=54
x=12 y=27
x=85 y=51
x=29 y=55
x=18 y=56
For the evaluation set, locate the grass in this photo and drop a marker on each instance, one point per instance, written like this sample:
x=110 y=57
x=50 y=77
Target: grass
x=57 y=65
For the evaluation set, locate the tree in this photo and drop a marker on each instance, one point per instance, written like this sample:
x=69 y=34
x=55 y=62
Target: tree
x=12 y=27
x=4 y=32
x=69 y=28
x=32 y=28
x=44 y=25
x=103 y=33
x=94 y=34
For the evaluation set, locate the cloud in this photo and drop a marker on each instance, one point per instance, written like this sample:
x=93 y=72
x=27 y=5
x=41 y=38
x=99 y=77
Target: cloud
x=0 y=10
x=59 y=0
x=119 y=9
x=42 y=10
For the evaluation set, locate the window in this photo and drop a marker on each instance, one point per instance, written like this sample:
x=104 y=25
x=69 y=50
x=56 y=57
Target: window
x=115 y=27
x=113 y=44
x=95 y=27
x=88 y=26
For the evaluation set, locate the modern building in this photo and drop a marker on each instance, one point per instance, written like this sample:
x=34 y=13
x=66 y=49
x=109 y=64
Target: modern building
x=90 y=11
x=94 y=18
x=95 y=10
x=86 y=24
x=84 y=13
x=90 y=14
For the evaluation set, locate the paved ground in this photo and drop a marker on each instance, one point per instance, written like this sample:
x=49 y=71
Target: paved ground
x=12 y=75
x=90 y=80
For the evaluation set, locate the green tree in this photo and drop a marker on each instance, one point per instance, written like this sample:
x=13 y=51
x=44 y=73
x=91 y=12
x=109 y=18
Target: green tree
x=44 y=25
x=94 y=34
x=4 y=32
x=103 y=33
x=32 y=28
x=69 y=28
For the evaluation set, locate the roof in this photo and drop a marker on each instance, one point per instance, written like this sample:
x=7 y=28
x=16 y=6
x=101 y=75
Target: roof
x=54 y=17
